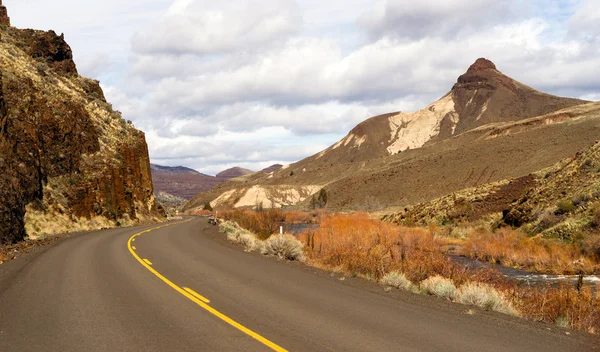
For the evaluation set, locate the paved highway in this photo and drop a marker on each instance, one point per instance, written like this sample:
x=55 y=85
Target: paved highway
x=183 y=287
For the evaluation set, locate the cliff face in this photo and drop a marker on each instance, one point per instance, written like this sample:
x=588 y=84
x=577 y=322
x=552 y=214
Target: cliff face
x=69 y=162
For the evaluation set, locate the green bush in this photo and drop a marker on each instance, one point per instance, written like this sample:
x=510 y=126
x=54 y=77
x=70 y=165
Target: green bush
x=564 y=206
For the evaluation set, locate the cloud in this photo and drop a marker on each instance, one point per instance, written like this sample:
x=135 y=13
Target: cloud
x=249 y=82
x=584 y=23
x=425 y=18
x=209 y=27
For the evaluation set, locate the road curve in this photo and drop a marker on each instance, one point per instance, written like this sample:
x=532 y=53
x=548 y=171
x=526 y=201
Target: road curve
x=100 y=292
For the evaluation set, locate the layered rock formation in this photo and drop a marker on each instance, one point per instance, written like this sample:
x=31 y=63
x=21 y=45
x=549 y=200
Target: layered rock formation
x=69 y=162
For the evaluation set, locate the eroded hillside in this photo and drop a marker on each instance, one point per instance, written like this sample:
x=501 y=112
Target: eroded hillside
x=68 y=160
x=488 y=128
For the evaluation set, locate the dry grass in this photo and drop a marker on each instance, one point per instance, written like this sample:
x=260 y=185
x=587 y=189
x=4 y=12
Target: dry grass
x=486 y=297
x=398 y=280
x=580 y=308
x=439 y=286
x=513 y=248
x=282 y=246
x=39 y=224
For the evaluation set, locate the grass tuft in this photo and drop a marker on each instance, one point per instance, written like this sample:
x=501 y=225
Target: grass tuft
x=398 y=280
x=486 y=297
x=440 y=287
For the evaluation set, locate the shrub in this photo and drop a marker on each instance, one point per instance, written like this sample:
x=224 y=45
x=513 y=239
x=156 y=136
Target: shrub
x=440 y=287
x=564 y=206
x=514 y=248
x=284 y=247
x=581 y=199
x=591 y=246
x=484 y=296
x=263 y=224
x=237 y=235
x=547 y=220
x=320 y=201
x=596 y=215
x=208 y=207
x=398 y=280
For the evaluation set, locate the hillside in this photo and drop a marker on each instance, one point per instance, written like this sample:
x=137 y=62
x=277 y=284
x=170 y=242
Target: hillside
x=233 y=173
x=69 y=161
x=566 y=202
x=488 y=128
x=560 y=202
x=181 y=182
x=272 y=168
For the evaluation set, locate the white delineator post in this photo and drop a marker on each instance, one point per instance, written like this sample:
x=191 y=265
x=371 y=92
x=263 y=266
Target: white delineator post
x=281 y=230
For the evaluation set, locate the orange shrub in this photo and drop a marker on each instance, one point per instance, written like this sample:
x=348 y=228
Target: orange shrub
x=579 y=309
x=263 y=223
x=298 y=217
x=362 y=245
x=515 y=249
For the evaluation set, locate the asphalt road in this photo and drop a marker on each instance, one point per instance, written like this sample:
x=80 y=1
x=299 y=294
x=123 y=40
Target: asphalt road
x=109 y=291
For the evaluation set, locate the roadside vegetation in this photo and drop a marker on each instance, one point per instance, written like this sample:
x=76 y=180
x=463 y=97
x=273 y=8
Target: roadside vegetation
x=416 y=259
x=281 y=246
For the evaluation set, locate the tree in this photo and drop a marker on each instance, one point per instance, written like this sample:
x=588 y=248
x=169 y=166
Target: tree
x=320 y=201
x=208 y=207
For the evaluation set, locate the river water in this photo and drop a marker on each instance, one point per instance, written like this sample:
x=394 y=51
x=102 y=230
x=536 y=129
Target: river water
x=527 y=277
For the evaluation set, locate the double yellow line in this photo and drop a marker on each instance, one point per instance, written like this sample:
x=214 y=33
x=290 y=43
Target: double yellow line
x=195 y=297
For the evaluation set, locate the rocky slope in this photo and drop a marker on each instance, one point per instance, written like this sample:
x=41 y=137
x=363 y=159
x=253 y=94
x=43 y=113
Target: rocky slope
x=488 y=128
x=565 y=203
x=68 y=160
x=559 y=202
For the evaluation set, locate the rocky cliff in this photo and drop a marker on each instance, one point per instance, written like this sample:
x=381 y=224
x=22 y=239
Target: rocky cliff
x=69 y=161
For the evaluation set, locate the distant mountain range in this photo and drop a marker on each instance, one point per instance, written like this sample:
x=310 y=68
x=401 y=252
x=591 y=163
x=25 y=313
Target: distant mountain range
x=487 y=128
x=178 y=184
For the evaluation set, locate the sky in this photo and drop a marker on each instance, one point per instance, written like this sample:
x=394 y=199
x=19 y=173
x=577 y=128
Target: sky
x=217 y=84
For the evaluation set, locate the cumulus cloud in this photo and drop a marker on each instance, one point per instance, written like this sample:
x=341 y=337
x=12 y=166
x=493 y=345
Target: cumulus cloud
x=209 y=27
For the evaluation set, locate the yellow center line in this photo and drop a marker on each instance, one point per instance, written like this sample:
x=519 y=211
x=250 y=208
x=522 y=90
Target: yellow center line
x=197 y=295
x=197 y=300
x=148 y=262
x=134 y=248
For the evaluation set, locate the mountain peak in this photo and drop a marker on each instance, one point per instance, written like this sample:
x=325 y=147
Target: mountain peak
x=482 y=64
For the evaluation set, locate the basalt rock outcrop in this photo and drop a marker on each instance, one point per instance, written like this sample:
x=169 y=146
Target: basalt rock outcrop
x=68 y=161
x=4 y=19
